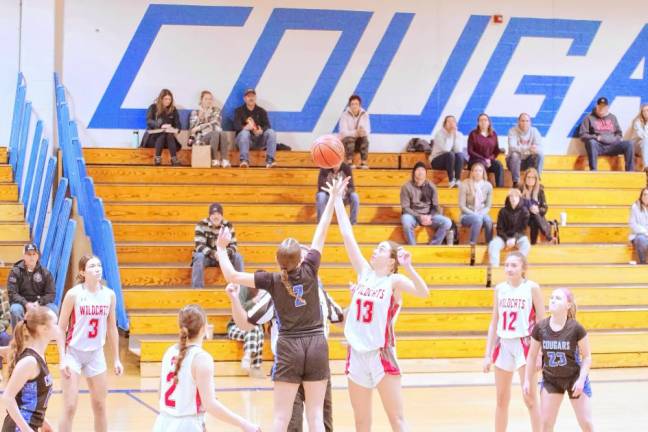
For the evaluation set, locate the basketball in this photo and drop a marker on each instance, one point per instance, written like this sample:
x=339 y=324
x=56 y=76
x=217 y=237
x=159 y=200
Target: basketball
x=327 y=151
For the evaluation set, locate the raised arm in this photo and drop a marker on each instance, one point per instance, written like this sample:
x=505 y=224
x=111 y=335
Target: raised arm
x=358 y=262
x=335 y=190
x=230 y=274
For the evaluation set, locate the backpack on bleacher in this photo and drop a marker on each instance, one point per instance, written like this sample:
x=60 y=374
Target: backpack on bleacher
x=419 y=145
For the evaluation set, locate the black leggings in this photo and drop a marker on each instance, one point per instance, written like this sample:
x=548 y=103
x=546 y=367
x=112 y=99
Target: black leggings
x=538 y=223
x=164 y=139
x=451 y=162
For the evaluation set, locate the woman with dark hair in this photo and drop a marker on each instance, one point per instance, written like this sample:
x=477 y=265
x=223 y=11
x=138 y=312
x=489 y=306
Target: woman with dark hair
x=162 y=125
x=302 y=349
x=533 y=199
x=639 y=225
x=354 y=131
x=483 y=147
x=446 y=151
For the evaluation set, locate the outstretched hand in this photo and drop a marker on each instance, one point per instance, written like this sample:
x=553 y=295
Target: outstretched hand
x=337 y=188
x=224 y=237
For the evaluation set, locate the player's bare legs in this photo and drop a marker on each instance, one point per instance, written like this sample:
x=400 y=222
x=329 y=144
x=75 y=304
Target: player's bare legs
x=361 y=403
x=389 y=389
x=98 y=386
x=70 y=388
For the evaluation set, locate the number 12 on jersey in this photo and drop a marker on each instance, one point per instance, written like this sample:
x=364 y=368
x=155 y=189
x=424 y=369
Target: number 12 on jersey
x=364 y=311
x=512 y=317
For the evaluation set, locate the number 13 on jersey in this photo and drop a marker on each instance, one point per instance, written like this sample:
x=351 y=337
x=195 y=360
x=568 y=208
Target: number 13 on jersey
x=364 y=311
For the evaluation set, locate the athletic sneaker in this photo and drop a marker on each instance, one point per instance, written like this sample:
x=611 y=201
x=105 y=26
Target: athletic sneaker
x=225 y=163
x=215 y=163
x=244 y=164
x=271 y=164
x=364 y=165
x=452 y=184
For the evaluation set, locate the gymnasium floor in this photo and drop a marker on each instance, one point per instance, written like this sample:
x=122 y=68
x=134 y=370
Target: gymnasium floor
x=433 y=402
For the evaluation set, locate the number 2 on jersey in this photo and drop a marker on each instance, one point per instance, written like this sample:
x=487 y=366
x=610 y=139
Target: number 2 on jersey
x=365 y=310
x=512 y=317
x=94 y=324
x=167 y=395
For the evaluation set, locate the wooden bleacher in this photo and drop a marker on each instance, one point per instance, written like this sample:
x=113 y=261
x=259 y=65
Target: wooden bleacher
x=154 y=209
x=162 y=203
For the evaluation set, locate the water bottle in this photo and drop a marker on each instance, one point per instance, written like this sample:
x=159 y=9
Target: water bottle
x=135 y=139
x=450 y=237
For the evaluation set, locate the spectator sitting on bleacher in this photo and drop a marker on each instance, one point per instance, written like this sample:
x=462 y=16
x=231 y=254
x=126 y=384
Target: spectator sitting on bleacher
x=524 y=148
x=162 y=125
x=512 y=222
x=639 y=225
x=204 y=255
x=5 y=319
x=602 y=135
x=253 y=129
x=534 y=200
x=354 y=131
x=640 y=134
x=446 y=151
x=30 y=285
x=351 y=197
x=205 y=128
x=475 y=200
x=419 y=201
x=483 y=147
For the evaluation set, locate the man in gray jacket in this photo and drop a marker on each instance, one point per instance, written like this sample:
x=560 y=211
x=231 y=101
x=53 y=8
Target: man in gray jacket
x=602 y=135
x=420 y=205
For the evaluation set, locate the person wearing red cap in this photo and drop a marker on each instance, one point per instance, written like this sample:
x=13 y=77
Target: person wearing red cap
x=30 y=285
x=602 y=135
x=253 y=129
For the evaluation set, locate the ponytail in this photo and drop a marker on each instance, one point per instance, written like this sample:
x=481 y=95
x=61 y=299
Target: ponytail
x=191 y=320
x=286 y=283
x=20 y=334
x=571 y=311
x=182 y=348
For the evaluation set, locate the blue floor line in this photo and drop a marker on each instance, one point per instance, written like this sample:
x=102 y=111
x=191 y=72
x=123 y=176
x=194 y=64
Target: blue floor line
x=141 y=402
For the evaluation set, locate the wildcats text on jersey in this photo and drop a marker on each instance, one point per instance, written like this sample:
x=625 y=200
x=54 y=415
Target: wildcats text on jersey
x=94 y=310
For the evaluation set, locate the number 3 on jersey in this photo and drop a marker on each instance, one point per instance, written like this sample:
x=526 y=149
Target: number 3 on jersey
x=94 y=328
x=364 y=311
x=512 y=317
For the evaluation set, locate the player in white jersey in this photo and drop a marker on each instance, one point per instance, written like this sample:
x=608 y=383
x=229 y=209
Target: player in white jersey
x=87 y=317
x=369 y=324
x=187 y=384
x=517 y=306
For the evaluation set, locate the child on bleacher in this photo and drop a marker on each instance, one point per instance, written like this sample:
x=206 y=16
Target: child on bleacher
x=512 y=222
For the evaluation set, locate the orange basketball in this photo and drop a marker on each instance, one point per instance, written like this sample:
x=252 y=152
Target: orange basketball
x=327 y=151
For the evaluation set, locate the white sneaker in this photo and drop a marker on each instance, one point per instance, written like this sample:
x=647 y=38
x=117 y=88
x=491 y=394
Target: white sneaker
x=215 y=163
x=452 y=184
x=246 y=362
x=244 y=164
x=225 y=163
x=271 y=164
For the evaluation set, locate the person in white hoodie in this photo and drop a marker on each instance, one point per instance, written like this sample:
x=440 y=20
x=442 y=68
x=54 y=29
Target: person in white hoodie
x=640 y=134
x=524 y=148
x=639 y=225
x=354 y=131
x=446 y=151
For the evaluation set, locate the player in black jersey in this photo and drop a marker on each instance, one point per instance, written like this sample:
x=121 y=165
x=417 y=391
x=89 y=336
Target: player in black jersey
x=566 y=360
x=30 y=383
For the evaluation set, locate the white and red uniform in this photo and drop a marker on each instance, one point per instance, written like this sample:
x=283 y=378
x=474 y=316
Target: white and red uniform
x=369 y=330
x=514 y=324
x=180 y=406
x=87 y=330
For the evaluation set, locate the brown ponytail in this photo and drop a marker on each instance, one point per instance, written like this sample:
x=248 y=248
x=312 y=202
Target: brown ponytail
x=393 y=254
x=26 y=329
x=288 y=258
x=191 y=320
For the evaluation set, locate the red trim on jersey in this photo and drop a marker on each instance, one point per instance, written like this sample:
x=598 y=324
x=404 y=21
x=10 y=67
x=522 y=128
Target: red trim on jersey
x=198 y=402
x=496 y=352
x=525 y=346
x=390 y=335
x=532 y=317
x=70 y=329
x=390 y=367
